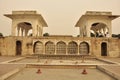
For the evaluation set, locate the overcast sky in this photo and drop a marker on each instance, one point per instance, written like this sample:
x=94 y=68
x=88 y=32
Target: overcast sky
x=60 y=15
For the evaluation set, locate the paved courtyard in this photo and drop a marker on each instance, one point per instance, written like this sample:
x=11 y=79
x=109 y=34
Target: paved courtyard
x=8 y=64
x=60 y=74
x=6 y=58
x=5 y=68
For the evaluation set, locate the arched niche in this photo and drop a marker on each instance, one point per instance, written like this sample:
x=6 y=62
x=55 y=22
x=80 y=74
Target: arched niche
x=24 y=29
x=99 y=29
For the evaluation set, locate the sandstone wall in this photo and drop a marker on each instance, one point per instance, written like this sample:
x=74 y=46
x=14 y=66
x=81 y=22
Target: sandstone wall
x=8 y=44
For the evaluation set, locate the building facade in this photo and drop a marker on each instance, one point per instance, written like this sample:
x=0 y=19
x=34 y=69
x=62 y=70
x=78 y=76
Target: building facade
x=27 y=36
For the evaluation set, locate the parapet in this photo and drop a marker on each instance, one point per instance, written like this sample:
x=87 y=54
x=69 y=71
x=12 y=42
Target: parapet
x=24 y=12
x=98 y=13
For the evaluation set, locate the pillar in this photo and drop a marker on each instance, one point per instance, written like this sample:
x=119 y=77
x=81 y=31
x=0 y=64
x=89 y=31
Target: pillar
x=78 y=49
x=103 y=32
x=21 y=32
x=39 y=32
x=26 y=32
x=44 y=48
x=55 y=48
x=66 y=48
x=18 y=31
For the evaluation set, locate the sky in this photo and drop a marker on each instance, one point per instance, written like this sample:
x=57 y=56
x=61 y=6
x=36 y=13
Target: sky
x=60 y=15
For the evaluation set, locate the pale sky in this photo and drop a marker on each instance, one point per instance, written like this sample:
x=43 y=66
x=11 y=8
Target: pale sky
x=60 y=15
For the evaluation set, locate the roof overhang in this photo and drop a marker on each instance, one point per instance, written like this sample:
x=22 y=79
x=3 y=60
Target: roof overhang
x=83 y=17
x=12 y=16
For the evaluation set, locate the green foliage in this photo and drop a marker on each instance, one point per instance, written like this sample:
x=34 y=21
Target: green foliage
x=116 y=35
x=119 y=36
x=1 y=35
x=92 y=35
x=46 y=34
x=78 y=35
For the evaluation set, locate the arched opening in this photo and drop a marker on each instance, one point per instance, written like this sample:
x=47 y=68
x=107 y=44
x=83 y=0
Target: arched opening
x=49 y=48
x=84 y=48
x=18 y=48
x=24 y=29
x=38 y=47
x=104 y=49
x=61 y=48
x=99 y=30
x=72 y=48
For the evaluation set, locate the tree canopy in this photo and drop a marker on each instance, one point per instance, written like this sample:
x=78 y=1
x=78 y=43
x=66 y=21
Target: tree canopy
x=46 y=34
x=1 y=35
x=116 y=35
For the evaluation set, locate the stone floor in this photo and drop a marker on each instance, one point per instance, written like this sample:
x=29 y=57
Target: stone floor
x=5 y=68
x=114 y=69
x=60 y=74
x=6 y=58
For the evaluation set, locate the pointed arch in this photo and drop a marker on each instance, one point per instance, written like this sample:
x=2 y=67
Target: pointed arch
x=72 y=48
x=38 y=47
x=24 y=29
x=49 y=47
x=84 y=48
x=99 y=29
x=61 y=47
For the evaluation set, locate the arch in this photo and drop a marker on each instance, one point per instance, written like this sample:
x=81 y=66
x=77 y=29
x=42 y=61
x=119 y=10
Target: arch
x=61 y=48
x=99 y=29
x=49 y=47
x=72 y=48
x=84 y=48
x=103 y=49
x=38 y=47
x=23 y=29
x=18 y=47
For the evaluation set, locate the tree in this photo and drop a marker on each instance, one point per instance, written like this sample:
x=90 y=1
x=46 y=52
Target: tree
x=1 y=35
x=119 y=36
x=46 y=34
x=78 y=35
x=114 y=35
x=92 y=35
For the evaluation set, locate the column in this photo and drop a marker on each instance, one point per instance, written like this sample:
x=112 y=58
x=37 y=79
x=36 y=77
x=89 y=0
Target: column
x=26 y=32
x=37 y=30
x=18 y=32
x=78 y=49
x=55 y=48
x=66 y=48
x=44 y=48
x=21 y=32
x=81 y=32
